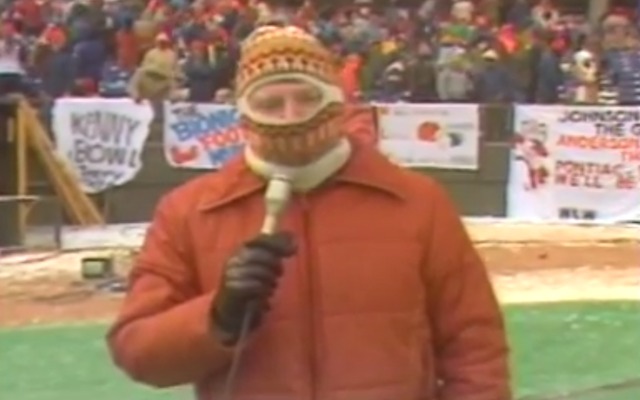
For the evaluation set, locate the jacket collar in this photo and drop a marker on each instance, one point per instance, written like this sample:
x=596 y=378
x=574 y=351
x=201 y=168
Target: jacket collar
x=367 y=167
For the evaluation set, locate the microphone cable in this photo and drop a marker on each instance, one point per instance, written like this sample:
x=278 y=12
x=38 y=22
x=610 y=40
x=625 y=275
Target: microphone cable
x=238 y=352
x=276 y=199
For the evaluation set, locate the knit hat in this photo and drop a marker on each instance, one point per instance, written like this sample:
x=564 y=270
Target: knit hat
x=273 y=54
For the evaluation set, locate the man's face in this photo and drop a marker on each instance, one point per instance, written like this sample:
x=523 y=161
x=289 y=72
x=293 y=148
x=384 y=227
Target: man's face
x=288 y=101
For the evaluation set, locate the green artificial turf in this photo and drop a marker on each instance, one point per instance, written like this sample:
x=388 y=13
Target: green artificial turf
x=556 y=348
x=565 y=347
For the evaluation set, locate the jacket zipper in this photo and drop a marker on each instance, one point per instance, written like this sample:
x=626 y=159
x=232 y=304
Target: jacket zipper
x=311 y=323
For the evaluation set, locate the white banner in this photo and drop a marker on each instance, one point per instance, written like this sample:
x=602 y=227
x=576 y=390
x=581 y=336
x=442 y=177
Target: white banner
x=102 y=139
x=202 y=136
x=430 y=135
x=575 y=163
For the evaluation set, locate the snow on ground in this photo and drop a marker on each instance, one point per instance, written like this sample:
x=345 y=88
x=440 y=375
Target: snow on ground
x=575 y=282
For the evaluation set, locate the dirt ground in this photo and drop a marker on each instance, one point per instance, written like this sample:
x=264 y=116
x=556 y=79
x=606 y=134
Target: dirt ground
x=527 y=263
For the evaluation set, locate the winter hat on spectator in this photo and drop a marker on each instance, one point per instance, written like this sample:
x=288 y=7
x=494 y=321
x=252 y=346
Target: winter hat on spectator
x=54 y=35
x=7 y=27
x=273 y=54
x=490 y=54
x=162 y=37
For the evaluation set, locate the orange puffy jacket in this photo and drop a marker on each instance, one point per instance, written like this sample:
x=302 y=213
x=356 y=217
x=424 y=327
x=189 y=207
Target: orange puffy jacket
x=386 y=299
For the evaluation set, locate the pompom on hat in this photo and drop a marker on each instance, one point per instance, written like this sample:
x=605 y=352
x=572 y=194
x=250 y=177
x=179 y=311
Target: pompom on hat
x=273 y=54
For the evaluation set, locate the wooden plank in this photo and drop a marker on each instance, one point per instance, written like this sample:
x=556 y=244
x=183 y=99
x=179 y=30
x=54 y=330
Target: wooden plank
x=78 y=204
x=19 y=199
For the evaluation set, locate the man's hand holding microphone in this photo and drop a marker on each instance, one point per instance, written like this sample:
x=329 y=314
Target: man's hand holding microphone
x=250 y=277
x=248 y=282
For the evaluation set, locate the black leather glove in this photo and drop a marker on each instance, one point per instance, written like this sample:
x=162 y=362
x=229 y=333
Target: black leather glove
x=248 y=281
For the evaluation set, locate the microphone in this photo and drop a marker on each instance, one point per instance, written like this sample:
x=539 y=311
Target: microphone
x=276 y=199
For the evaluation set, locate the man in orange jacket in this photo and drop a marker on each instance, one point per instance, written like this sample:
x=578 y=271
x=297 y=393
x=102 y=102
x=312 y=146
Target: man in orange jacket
x=375 y=291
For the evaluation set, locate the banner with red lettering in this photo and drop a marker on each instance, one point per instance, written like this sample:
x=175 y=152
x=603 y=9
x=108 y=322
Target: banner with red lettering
x=575 y=163
x=202 y=136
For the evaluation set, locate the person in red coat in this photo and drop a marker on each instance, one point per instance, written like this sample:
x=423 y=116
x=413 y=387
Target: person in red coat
x=369 y=288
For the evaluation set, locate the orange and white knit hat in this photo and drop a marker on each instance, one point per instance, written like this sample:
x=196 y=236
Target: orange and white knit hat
x=271 y=54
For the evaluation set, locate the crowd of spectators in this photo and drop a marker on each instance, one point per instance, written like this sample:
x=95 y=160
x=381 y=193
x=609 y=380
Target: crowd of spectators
x=420 y=51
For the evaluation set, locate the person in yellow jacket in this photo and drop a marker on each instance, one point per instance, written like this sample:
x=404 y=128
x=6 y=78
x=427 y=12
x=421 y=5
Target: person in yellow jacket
x=159 y=75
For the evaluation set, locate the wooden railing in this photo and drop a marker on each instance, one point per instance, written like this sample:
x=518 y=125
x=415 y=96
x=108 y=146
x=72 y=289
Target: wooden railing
x=31 y=140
